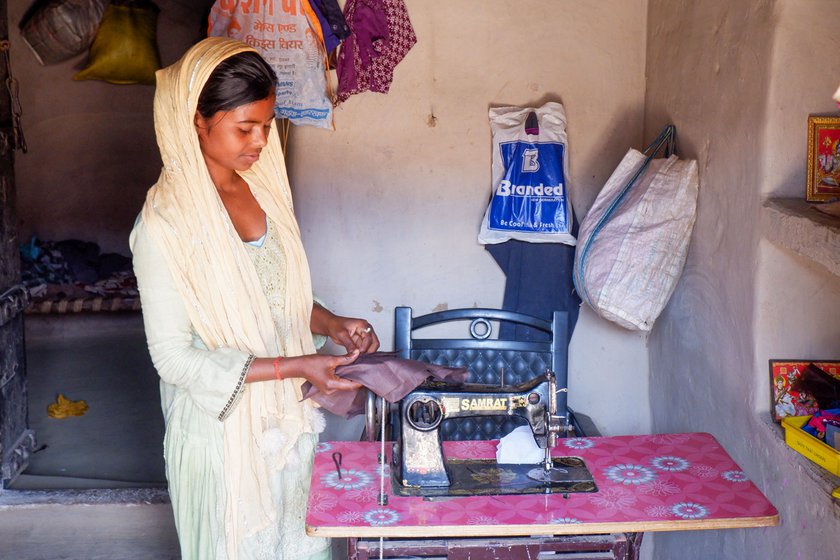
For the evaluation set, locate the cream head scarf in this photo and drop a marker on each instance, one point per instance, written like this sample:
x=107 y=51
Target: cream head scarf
x=220 y=287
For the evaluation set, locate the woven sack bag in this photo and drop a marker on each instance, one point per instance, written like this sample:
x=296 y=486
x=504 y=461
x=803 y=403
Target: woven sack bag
x=633 y=243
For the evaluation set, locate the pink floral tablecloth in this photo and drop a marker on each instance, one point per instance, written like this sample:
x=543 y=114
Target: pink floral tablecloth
x=645 y=483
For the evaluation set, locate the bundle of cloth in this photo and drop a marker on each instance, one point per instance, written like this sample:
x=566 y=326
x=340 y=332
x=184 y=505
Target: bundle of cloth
x=73 y=268
x=385 y=374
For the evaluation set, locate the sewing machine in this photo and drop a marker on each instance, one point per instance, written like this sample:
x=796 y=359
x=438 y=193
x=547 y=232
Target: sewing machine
x=418 y=466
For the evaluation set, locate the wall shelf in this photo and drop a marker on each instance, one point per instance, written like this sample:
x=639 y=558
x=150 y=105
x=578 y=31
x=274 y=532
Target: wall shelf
x=821 y=478
x=797 y=225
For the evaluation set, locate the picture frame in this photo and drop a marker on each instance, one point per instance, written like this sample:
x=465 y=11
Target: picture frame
x=823 y=158
x=785 y=402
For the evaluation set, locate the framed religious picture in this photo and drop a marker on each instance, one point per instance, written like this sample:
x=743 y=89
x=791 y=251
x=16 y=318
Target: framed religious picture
x=785 y=399
x=823 y=158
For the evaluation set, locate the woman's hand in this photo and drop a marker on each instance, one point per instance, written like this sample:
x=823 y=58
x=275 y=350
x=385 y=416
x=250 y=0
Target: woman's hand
x=352 y=334
x=320 y=371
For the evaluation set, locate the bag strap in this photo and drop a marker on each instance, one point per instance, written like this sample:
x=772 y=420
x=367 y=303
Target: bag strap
x=666 y=138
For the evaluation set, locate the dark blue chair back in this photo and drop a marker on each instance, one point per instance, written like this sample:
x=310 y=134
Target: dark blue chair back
x=489 y=360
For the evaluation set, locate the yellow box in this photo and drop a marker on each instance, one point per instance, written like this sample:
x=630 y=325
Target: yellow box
x=824 y=455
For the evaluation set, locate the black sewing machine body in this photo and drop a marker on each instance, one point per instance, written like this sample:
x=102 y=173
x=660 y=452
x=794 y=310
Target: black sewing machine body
x=418 y=465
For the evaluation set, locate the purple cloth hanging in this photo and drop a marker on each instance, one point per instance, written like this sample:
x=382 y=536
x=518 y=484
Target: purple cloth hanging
x=330 y=39
x=381 y=36
x=335 y=18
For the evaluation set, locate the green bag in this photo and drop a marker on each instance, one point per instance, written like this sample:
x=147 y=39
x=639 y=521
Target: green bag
x=124 y=50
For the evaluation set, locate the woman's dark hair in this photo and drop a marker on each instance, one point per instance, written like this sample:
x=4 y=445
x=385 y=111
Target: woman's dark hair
x=238 y=80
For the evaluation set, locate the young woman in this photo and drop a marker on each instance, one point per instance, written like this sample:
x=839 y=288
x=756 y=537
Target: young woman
x=229 y=314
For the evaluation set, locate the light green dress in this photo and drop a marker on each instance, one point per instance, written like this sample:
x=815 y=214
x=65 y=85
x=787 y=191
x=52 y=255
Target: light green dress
x=198 y=389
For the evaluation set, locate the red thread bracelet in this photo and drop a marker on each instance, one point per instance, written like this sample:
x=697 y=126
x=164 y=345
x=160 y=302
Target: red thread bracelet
x=276 y=363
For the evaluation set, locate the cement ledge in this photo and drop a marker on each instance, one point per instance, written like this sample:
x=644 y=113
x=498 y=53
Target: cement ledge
x=100 y=531
x=798 y=226
x=110 y=496
x=821 y=478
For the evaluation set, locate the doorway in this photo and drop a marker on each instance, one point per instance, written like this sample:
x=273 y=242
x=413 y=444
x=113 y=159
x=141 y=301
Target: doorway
x=102 y=361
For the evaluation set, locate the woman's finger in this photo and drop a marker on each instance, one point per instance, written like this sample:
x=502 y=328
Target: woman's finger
x=368 y=342
x=345 y=339
x=347 y=385
x=336 y=383
x=373 y=342
x=349 y=357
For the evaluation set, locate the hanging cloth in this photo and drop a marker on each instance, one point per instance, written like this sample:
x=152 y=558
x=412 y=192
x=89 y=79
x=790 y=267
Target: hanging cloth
x=333 y=25
x=330 y=40
x=381 y=37
x=538 y=282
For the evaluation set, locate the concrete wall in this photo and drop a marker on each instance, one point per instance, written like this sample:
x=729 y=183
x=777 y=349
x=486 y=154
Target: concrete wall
x=738 y=80
x=390 y=203
x=92 y=149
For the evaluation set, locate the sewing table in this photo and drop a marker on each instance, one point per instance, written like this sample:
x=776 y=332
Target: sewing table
x=665 y=482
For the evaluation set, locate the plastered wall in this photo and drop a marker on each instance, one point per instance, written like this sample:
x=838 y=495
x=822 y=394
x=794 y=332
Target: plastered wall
x=739 y=79
x=390 y=202
x=92 y=150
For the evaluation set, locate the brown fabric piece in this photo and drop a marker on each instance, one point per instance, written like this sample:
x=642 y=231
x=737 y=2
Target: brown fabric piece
x=383 y=373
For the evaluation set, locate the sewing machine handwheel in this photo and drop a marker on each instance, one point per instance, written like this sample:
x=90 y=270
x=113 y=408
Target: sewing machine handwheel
x=424 y=414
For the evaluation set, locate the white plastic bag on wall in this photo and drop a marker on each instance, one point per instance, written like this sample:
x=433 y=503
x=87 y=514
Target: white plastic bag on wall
x=530 y=169
x=634 y=241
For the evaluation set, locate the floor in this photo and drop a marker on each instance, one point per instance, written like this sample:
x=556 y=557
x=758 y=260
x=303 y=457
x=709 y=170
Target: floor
x=103 y=469
x=104 y=362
